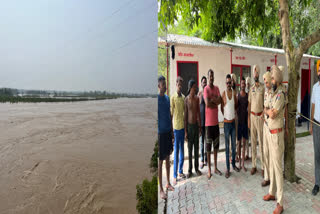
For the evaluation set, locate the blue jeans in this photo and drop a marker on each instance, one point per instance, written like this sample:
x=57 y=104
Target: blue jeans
x=230 y=130
x=178 y=146
x=203 y=144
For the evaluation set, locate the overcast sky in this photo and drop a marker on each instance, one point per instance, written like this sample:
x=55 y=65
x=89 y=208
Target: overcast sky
x=79 y=45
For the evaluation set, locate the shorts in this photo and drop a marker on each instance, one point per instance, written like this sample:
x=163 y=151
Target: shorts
x=165 y=145
x=242 y=131
x=212 y=137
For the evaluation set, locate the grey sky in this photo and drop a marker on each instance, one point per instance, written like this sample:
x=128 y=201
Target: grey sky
x=79 y=45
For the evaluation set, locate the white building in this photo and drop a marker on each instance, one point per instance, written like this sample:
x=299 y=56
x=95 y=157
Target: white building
x=193 y=57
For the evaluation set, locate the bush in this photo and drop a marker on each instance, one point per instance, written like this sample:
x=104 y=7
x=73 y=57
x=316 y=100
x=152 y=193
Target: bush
x=147 y=196
x=154 y=159
x=147 y=192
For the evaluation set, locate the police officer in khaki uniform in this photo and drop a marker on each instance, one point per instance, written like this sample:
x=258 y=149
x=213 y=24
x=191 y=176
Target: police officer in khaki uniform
x=255 y=124
x=276 y=139
x=284 y=89
x=267 y=99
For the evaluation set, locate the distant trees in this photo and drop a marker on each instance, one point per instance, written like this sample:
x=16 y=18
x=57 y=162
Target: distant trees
x=68 y=94
x=8 y=92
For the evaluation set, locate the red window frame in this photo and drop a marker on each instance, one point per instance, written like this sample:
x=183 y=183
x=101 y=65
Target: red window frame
x=241 y=66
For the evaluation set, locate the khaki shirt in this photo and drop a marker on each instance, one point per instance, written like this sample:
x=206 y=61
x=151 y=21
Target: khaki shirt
x=177 y=110
x=284 y=89
x=267 y=102
x=256 y=98
x=277 y=102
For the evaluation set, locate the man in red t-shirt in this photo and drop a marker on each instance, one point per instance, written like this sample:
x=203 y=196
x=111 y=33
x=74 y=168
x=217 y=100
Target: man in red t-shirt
x=212 y=99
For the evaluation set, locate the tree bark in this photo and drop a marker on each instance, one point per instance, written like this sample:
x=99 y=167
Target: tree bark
x=290 y=141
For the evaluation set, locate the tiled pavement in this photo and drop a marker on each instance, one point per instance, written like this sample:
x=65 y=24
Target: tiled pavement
x=242 y=193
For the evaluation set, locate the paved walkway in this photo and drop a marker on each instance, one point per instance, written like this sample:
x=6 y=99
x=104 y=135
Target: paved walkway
x=242 y=193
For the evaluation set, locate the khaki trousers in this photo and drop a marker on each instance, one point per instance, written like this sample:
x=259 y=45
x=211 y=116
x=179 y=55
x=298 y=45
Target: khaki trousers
x=256 y=133
x=266 y=152
x=276 y=146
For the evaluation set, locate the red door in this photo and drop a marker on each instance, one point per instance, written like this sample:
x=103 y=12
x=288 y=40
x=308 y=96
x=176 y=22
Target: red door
x=188 y=70
x=305 y=92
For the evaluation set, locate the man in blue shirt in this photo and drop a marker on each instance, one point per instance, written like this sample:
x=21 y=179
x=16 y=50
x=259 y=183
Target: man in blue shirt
x=165 y=134
x=315 y=131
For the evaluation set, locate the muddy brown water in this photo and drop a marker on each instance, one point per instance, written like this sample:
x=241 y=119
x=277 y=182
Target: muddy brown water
x=82 y=157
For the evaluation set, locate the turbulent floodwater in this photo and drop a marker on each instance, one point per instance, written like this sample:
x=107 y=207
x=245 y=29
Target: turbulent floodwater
x=83 y=157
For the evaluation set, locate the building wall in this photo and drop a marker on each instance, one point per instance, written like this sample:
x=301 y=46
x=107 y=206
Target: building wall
x=218 y=59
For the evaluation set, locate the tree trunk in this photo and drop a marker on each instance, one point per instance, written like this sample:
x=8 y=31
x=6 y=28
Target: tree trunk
x=290 y=141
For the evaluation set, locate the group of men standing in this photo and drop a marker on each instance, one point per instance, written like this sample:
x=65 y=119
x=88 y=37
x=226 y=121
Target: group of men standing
x=260 y=110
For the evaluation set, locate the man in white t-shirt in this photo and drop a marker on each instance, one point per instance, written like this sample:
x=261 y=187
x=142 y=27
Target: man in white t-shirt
x=315 y=131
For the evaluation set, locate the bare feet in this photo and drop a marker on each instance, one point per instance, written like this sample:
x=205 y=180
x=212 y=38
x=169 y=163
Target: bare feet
x=209 y=174
x=174 y=181
x=169 y=187
x=244 y=168
x=217 y=171
x=162 y=194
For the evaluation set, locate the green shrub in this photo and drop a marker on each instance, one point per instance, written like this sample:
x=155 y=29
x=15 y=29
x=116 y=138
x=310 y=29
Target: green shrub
x=154 y=159
x=147 y=196
x=147 y=192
